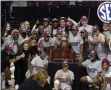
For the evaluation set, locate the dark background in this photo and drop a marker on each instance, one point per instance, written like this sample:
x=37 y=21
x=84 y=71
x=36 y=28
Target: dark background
x=32 y=11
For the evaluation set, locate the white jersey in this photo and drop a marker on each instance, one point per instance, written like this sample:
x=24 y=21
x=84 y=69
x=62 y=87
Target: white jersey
x=89 y=29
x=76 y=41
x=38 y=63
x=63 y=79
x=49 y=43
x=92 y=67
x=101 y=48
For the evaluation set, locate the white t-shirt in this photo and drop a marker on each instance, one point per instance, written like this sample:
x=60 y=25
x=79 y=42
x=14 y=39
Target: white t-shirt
x=89 y=29
x=46 y=44
x=108 y=71
x=92 y=67
x=63 y=79
x=38 y=63
x=57 y=41
x=101 y=48
x=54 y=32
x=76 y=41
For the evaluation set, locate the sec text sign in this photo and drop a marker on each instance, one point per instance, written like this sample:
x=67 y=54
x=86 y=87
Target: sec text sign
x=104 y=12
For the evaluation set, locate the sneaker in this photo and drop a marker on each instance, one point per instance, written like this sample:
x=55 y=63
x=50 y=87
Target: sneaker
x=16 y=86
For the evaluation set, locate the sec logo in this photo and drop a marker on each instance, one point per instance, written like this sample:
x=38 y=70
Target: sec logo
x=104 y=12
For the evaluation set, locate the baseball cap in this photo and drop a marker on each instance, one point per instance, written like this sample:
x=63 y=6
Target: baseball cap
x=68 y=23
x=55 y=20
x=63 y=18
x=93 y=53
x=105 y=60
x=65 y=62
x=83 y=31
x=83 y=18
x=96 y=28
x=47 y=33
x=45 y=19
x=59 y=32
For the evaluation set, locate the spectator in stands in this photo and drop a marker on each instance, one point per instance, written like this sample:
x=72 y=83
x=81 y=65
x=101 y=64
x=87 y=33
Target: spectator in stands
x=87 y=46
x=64 y=77
x=76 y=43
x=88 y=28
x=99 y=42
x=38 y=82
x=93 y=67
x=105 y=75
x=6 y=31
x=21 y=64
x=54 y=27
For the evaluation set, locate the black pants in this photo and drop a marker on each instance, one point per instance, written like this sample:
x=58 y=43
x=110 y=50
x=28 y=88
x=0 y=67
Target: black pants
x=20 y=71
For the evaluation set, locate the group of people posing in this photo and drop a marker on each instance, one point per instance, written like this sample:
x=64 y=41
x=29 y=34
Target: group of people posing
x=30 y=50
